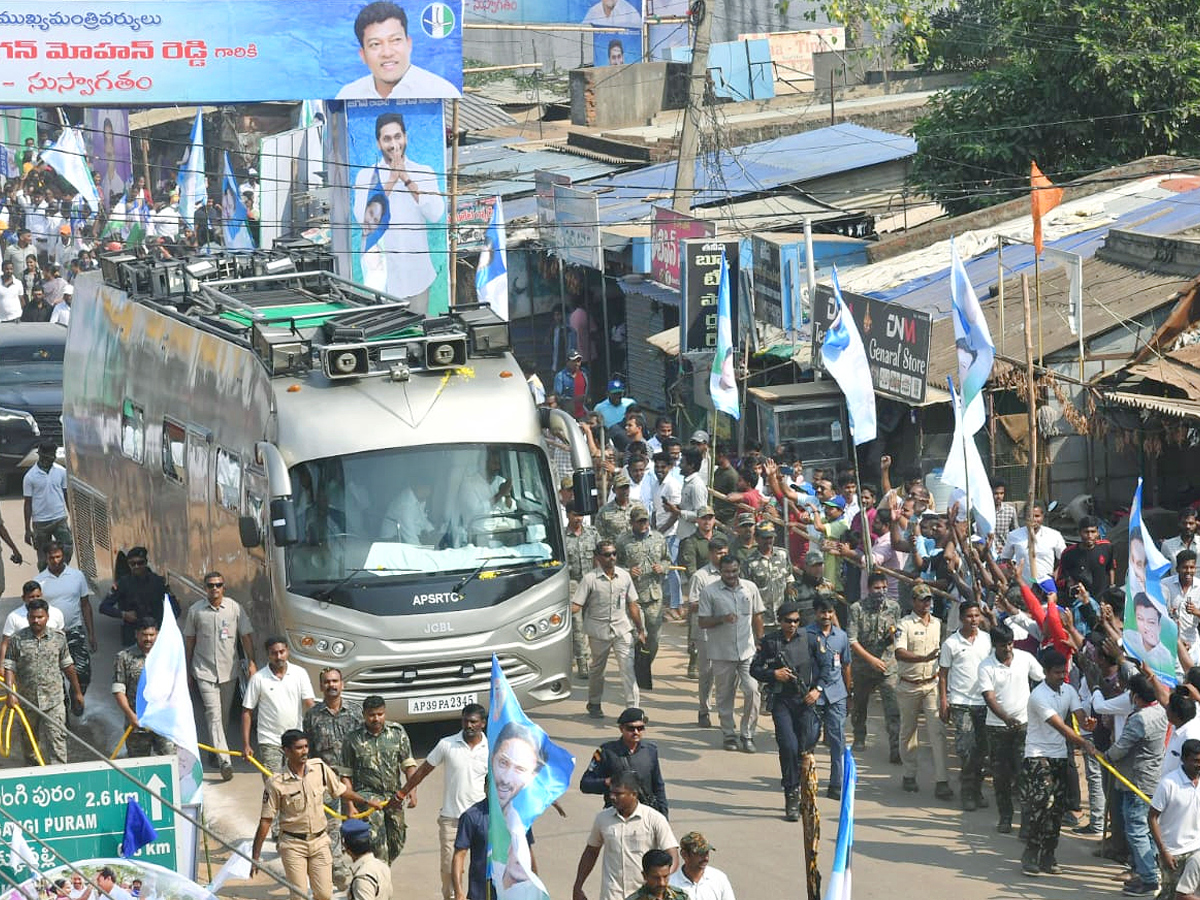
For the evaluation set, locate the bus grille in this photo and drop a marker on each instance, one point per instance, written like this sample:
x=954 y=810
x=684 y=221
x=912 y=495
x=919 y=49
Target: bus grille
x=395 y=681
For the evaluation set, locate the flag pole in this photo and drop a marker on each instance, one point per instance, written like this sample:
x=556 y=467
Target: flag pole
x=1032 y=425
x=868 y=560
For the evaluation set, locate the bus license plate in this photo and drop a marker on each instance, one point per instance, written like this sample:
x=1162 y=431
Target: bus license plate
x=449 y=704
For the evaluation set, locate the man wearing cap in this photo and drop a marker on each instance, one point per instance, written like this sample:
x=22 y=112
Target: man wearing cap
x=612 y=409
x=769 y=568
x=629 y=753
x=370 y=877
x=695 y=877
x=571 y=385
x=872 y=632
x=830 y=651
x=699 y=665
x=918 y=645
x=608 y=603
x=700 y=443
x=731 y=610
x=581 y=542
x=612 y=520
x=831 y=528
x=743 y=543
x=643 y=553
x=785 y=666
x=812 y=584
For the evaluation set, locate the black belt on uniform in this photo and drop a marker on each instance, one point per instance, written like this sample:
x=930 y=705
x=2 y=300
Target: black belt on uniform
x=300 y=836
x=928 y=680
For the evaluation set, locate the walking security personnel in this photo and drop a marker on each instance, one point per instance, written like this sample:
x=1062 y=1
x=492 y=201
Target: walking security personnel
x=769 y=568
x=297 y=797
x=643 y=553
x=370 y=878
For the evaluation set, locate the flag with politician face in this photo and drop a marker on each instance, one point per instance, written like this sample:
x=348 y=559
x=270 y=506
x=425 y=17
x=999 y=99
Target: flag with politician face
x=1150 y=633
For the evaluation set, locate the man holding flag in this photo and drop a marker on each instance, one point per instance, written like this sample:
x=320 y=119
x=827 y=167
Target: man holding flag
x=722 y=384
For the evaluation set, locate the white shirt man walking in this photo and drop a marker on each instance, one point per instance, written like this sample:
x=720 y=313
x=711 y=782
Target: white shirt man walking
x=731 y=612
x=280 y=694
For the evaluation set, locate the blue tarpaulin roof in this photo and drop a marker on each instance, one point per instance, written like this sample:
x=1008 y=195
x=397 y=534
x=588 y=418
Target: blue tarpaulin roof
x=931 y=293
x=743 y=171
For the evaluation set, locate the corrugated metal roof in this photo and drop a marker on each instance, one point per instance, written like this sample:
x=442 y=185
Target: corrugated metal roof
x=1160 y=216
x=1113 y=294
x=1184 y=409
x=743 y=171
x=503 y=168
x=477 y=114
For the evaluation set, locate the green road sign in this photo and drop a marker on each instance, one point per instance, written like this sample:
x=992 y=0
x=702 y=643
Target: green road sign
x=79 y=810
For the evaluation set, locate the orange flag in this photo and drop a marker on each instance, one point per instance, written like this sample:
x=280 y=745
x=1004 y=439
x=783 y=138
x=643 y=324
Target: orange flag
x=1044 y=196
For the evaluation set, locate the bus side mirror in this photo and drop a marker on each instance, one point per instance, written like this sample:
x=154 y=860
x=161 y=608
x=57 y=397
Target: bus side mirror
x=586 y=499
x=249 y=531
x=283 y=522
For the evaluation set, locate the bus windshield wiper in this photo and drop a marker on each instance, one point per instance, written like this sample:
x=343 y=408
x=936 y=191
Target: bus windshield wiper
x=473 y=574
x=325 y=595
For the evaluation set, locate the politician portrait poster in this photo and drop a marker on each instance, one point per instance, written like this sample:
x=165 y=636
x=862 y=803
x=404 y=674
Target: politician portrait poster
x=396 y=158
x=107 y=132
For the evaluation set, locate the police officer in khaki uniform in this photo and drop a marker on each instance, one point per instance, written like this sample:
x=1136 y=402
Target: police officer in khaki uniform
x=769 y=568
x=918 y=644
x=370 y=878
x=297 y=796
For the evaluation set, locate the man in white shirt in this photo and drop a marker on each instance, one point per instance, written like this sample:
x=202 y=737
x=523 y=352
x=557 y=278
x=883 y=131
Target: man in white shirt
x=12 y=294
x=696 y=877
x=731 y=612
x=465 y=754
x=1187 y=539
x=280 y=694
x=65 y=588
x=1185 y=726
x=1048 y=545
x=960 y=698
x=19 y=617
x=1182 y=595
x=166 y=220
x=45 y=489
x=1175 y=825
x=1044 y=770
x=641 y=484
x=385 y=46
x=62 y=311
x=1004 y=681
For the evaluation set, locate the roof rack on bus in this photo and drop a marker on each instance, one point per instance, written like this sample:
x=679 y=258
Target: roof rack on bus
x=297 y=315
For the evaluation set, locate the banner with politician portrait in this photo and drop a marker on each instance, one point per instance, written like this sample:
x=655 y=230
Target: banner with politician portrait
x=601 y=13
x=106 y=132
x=396 y=164
x=1151 y=635
x=616 y=48
x=141 y=52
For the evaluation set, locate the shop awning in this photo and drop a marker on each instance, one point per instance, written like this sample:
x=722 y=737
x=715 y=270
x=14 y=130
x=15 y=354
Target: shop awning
x=1167 y=406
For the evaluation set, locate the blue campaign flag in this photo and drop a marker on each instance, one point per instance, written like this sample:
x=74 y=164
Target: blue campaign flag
x=68 y=157
x=722 y=384
x=839 y=876
x=233 y=212
x=973 y=339
x=964 y=469
x=1151 y=634
x=139 y=830
x=526 y=773
x=192 y=180
x=845 y=359
x=491 y=278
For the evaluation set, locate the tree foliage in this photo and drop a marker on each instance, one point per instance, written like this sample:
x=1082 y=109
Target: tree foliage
x=1084 y=84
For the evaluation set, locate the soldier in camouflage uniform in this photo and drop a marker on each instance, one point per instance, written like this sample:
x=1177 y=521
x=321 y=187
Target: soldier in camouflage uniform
x=581 y=543
x=327 y=724
x=612 y=520
x=644 y=553
x=36 y=661
x=872 y=633
x=812 y=584
x=127 y=672
x=375 y=755
x=742 y=545
x=769 y=568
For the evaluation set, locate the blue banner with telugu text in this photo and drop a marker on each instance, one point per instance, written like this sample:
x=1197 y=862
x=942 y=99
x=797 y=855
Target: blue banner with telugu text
x=139 y=52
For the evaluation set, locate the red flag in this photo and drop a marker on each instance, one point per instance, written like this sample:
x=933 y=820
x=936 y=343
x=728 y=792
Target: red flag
x=1044 y=196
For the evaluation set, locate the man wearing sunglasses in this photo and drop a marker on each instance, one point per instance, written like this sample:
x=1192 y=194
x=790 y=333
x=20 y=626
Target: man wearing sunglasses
x=629 y=753
x=211 y=631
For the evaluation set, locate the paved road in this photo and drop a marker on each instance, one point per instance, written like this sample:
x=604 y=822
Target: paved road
x=930 y=850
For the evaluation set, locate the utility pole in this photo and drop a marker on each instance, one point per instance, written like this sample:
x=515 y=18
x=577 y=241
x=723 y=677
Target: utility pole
x=689 y=136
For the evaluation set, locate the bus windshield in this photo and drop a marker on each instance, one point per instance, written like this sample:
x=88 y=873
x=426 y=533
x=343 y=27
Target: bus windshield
x=418 y=512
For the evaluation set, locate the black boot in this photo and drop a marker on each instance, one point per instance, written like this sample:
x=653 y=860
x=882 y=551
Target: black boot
x=791 y=805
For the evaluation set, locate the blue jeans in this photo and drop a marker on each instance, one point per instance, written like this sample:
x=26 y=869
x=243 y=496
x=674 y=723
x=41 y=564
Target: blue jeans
x=832 y=717
x=1134 y=811
x=796 y=727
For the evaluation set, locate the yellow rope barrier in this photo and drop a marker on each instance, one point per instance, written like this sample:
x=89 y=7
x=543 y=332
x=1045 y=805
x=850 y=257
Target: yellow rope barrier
x=121 y=742
x=29 y=733
x=6 y=723
x=269 y=774
x=1121 y=778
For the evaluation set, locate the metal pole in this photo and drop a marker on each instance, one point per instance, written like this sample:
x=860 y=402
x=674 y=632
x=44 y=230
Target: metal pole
x=1037 y=290
x=810 y=265
x=810 y=824
x=832 y=102
x=689 y=134
x=454 y=204
x=868 y=559
x=608 y=372
x=1000 y=286
x=1029 y=383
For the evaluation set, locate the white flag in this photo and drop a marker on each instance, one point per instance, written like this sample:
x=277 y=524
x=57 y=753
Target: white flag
x=69 y=159
x=964 y=470
x=235 y=867
x=21 y=855
x=845 y=359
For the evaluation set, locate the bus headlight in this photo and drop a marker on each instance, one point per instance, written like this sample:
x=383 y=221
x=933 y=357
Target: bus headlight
x=542 y=626
x=321 y=645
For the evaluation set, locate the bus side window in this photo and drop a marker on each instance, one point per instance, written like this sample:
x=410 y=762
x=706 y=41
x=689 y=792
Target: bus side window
x=228 y=479
x=173 y=447
x=133 y=431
